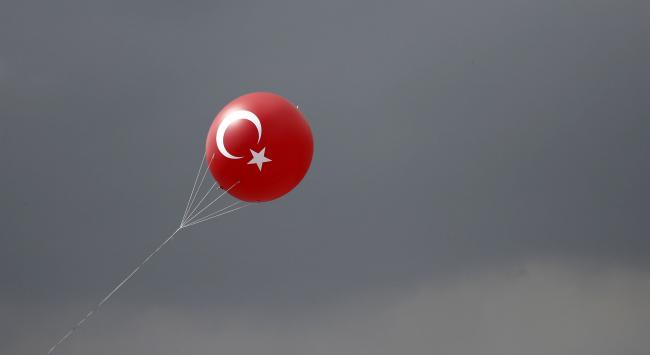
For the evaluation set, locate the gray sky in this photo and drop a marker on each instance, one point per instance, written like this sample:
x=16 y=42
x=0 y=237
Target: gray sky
x=480 y=181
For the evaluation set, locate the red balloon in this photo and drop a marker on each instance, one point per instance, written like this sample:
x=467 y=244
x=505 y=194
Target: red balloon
x=259 y=146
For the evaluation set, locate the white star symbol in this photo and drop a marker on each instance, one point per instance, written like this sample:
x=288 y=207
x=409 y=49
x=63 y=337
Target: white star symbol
x=259 y=158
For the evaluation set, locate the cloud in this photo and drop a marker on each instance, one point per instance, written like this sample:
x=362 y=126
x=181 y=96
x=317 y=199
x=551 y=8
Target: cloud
x=536 y=309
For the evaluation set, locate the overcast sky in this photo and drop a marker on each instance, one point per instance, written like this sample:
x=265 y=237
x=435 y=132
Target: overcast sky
x=480 y=182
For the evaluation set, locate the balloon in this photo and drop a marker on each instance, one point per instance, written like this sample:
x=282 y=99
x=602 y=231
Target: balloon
x=259 y=147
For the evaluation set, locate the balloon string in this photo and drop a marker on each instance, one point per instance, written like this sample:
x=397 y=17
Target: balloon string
x=193 y=215
x=204 y=219
x=201 y=201
x=189 y=219
x=115 y=289
x=137 y=268
x=214 y=213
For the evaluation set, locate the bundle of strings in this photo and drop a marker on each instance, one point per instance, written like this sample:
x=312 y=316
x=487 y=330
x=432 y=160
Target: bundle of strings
x=190 y=218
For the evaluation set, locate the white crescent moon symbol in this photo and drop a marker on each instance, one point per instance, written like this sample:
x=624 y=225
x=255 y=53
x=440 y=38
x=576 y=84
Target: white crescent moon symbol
x=229 y=119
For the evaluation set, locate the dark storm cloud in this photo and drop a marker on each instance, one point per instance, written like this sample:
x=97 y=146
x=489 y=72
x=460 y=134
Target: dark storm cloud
x=451 y=137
